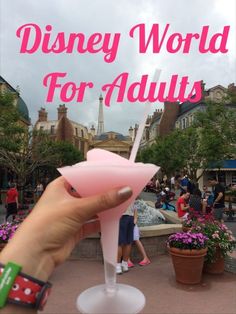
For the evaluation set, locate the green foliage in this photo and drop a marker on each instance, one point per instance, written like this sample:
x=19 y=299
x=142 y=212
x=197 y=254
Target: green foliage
x=166 y=152
x=217 y=132
x=219 y=236
x=62 y=153
x=11 y=131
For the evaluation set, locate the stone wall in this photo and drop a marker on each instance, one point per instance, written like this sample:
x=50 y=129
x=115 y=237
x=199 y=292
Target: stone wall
x=230 y=263
x=153 y=238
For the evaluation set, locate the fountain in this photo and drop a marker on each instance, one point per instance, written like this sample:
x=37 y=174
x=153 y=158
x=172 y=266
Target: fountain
x=147 y=215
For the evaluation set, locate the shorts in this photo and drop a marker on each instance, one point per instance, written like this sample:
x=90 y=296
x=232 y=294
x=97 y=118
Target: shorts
x=136 y=233
x=11 y=209
x=126 y=230
x=218 y=213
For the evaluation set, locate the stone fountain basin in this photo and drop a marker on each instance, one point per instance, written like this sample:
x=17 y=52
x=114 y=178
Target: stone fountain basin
x=153 y=238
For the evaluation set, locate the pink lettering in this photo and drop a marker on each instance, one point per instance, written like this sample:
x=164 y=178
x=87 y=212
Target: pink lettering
x=107 y=43
x=143 y=91
x=176 y=42
x=223 y=41
x=68 y=91
x=170 y=43
x=123 y=77
x=196 y=92
x=183 y=85
x=153 y=36
x=25 y=31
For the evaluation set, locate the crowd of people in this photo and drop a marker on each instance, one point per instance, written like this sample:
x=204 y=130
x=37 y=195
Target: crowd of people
x=190 y=197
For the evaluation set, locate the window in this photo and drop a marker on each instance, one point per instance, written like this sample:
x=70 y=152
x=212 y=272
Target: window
x=41 y=128
x=82 y=147
x=52 y=129
x=234 y=178
x=76 y=131
x=82 y=133
x=183 y=124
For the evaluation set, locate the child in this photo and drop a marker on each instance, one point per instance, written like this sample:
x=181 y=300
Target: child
x=145 y=261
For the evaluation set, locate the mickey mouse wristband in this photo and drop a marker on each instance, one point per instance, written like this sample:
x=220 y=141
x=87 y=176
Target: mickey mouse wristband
x=21 y=289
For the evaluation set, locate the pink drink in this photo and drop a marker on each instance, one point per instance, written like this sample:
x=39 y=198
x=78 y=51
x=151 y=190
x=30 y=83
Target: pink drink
x=102 y=171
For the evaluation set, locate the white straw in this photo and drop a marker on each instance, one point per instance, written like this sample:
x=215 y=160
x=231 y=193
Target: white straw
x=143 y=122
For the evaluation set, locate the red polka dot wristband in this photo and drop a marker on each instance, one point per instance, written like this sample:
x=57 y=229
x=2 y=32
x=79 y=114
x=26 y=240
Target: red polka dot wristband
x=21 y=289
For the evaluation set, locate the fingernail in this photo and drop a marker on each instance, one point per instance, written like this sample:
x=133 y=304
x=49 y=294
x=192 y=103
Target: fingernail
x=125 y=193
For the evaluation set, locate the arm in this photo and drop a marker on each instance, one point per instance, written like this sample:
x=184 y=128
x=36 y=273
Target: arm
x=184 y=208
x=204 y=205
x=17 y=200
x=219 y=197
x=48 y=235
x=135 y=216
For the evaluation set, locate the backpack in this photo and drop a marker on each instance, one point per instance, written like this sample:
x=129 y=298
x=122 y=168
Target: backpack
x=210 y=199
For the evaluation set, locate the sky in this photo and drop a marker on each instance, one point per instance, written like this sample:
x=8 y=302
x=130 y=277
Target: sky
x=105 y=16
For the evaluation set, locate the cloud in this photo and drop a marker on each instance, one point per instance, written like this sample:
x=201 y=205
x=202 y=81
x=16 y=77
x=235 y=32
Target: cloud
x=88 y=17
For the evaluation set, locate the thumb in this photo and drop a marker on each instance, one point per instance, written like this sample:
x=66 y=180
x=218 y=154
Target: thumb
x=86 y=208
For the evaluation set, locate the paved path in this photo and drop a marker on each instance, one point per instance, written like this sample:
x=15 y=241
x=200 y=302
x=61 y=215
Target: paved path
x=215 y=295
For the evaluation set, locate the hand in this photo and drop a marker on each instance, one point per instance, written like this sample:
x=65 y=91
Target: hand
x=48 y=235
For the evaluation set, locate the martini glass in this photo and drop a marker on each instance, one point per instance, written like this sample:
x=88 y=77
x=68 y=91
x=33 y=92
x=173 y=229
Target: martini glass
x=102 y=171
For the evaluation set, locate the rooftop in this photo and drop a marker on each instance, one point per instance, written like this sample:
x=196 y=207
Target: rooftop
x=106 y=136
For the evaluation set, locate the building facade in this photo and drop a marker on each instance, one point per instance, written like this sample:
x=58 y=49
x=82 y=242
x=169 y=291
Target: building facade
x=64 y=129
x=113 y=142
x=18 y=102
x=187 y=109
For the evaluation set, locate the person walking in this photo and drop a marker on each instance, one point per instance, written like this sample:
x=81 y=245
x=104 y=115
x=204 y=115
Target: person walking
x=12 y=203
x=126 y=237
x=136 y=237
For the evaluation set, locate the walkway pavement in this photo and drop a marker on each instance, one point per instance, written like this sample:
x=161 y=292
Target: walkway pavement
x=215 y=295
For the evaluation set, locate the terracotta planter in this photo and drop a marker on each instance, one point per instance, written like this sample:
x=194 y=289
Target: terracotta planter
x=186 y=229
x=216 y=267
x=188 y=265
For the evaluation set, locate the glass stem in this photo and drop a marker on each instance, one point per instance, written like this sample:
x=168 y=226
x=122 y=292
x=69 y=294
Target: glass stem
x=110 y=277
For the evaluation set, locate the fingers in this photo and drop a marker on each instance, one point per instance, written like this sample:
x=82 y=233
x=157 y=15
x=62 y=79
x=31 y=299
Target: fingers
x=60 y=185
x=86 y=208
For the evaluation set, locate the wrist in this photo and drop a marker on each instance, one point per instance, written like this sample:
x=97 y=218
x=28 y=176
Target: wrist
x=34 y=263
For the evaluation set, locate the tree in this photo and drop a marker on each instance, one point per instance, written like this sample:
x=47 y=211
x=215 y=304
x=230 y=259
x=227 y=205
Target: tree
x=166 y=153
x=23 y=151
x=217 y=136
x=62 y=153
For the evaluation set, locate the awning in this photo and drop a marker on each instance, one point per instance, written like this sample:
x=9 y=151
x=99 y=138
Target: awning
x=227 y=165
